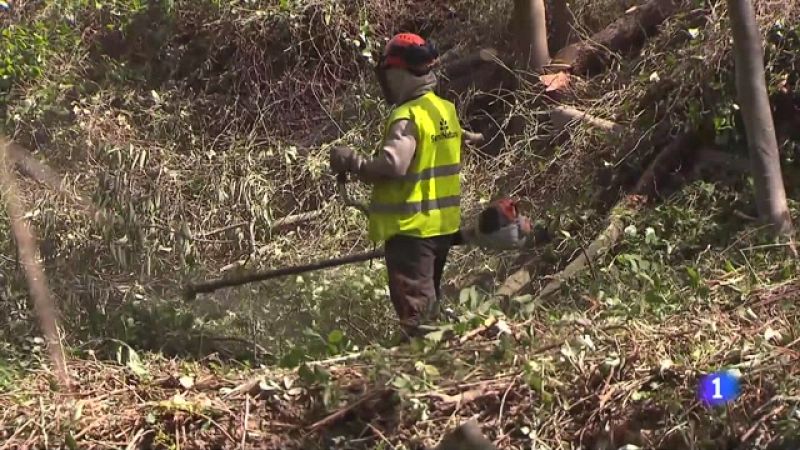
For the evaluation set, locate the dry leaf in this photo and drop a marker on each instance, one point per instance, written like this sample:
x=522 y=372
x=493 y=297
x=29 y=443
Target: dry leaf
x=555 y=82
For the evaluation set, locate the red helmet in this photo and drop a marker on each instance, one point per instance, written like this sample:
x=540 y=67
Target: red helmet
x=410 y=52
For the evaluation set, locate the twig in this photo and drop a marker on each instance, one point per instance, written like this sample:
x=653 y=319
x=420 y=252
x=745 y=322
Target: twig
x=477 y=331
x=246 y=418
x=218 y=426
x=749 y=433
x=503 y=405
x=133 y=444
x=343 y=412
x=381 y=435
x=42 y=425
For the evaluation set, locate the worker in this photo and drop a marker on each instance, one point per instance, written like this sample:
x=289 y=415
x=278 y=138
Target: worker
x=415 y=204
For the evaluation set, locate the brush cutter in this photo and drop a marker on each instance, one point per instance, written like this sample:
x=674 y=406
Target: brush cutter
x=192 y=289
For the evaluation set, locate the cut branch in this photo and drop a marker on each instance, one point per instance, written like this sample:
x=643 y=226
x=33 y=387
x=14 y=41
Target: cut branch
x=34 y=273
x=483 y=71
x=192 y=290
x=38 y=171
x=601 y=244
x=562 y=116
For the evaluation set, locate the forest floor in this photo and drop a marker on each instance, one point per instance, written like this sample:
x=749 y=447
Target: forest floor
x=180 y=134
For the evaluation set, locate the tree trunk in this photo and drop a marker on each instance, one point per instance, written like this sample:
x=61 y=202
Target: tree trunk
x=626 y=34
x=529 y=26
x=751 y=91
x=562 y=22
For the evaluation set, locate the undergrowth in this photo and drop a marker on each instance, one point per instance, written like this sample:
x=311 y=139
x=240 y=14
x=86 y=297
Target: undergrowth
x=193 y=126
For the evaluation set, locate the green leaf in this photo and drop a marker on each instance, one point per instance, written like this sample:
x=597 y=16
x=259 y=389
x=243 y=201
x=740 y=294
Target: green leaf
x=427 y=369
x=135 y=364
x=463 y=296
x=294 y=358
x=522 y=299
x=435 y=336
x=72 y=444
x=694 y=276
x=128 y=356
x=335 y=337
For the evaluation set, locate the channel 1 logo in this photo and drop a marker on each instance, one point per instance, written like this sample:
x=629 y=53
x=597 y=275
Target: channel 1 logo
x=719 y=388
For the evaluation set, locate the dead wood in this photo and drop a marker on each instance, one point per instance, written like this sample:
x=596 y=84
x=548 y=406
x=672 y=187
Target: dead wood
x=599 y=246
x=672 y=157
x=563 y=116
x=469 y=63
x=626 y=34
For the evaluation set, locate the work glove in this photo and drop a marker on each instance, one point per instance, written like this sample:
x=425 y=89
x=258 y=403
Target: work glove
x=344 y=159
x=472 y=138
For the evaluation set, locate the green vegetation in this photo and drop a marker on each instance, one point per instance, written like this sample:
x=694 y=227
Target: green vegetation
x=192 y=126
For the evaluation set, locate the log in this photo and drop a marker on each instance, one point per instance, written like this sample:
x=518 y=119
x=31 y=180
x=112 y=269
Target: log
x=626 y=34
x=671 y=157
x=470 y=63
x=483 y=71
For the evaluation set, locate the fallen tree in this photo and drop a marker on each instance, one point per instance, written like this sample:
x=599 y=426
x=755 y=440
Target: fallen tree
x=624 y=35
x=672 y=157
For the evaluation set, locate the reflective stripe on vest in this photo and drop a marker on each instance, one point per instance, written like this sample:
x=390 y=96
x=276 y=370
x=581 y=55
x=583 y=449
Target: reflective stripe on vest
x=416 y=207
x=426 y=201
x=432 y=172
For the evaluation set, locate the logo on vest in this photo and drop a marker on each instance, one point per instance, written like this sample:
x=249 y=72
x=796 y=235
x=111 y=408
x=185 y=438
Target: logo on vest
x=444 y=132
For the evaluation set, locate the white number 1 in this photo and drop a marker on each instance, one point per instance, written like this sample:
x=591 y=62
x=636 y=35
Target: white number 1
x=717 y=388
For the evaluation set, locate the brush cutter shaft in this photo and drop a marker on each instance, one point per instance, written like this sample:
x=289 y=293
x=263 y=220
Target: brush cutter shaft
x=209 y=286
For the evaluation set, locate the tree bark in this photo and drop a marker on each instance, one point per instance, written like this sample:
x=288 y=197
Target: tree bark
x=562 y=23
x=530 y=34
x=751 y=91
x=624 y=35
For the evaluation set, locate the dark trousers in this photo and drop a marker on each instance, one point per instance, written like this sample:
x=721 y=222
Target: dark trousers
x=415 y=267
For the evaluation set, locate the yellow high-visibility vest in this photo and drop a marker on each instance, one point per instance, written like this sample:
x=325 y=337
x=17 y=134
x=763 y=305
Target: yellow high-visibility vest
x=425 y=202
